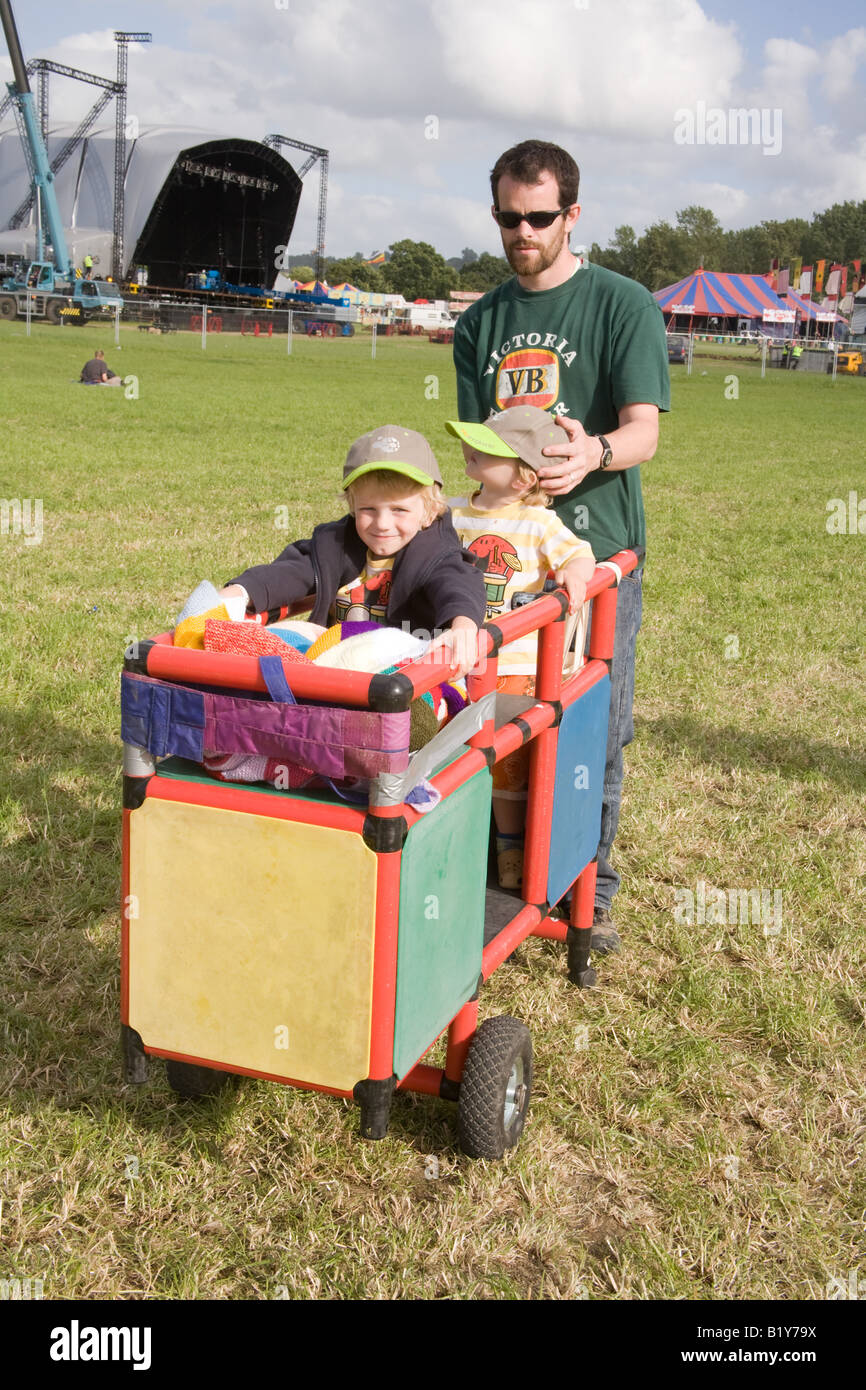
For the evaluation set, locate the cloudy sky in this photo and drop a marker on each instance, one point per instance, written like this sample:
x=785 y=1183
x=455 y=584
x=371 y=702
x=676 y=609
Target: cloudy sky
x=414 y=99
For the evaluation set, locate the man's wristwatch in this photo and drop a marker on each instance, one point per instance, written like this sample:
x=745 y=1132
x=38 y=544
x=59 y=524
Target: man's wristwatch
x=606 y=452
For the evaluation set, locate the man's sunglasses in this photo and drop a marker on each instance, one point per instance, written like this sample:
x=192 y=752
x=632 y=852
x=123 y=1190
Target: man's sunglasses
x=510 y=220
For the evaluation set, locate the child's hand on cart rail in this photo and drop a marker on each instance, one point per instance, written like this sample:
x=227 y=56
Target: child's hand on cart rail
x=462 y=639
x=574 y=578
x=235 y=591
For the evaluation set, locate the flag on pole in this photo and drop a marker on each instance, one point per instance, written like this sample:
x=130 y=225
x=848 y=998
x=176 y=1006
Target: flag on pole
x=833 y=281
x=857 y=278
x=806 y=280
x=819 y=276
x=784 y=279
x=796 y=267
x=377 y=258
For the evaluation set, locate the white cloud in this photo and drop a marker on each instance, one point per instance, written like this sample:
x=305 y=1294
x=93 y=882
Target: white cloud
x=726 y=202
x=844 y=56
x=786 y=80
x=619 y=67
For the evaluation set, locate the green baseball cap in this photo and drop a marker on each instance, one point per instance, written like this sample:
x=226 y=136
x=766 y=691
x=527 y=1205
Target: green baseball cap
x=393 y=448
x=519 y=433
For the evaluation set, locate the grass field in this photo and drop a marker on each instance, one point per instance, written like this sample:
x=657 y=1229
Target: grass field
x=697 y=1126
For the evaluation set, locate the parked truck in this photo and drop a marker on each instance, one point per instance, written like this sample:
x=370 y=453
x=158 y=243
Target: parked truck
x=54 y=297
x=421 y=318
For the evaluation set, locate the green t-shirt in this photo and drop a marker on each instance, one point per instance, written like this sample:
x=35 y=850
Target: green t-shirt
x=585 y=349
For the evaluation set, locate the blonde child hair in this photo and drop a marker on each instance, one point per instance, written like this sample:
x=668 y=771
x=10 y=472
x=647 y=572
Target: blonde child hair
x=535 y=496
x=391 y=484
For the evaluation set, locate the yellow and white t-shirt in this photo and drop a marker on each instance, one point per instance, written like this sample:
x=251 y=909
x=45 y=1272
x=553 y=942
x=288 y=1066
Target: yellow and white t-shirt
x=366 y=600
x=520 y=544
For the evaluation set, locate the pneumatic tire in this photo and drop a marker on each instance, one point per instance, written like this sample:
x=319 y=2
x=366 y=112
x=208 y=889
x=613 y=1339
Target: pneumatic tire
x=495 y=1088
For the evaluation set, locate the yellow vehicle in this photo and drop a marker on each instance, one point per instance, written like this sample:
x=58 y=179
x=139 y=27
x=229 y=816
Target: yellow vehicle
x=851 y=362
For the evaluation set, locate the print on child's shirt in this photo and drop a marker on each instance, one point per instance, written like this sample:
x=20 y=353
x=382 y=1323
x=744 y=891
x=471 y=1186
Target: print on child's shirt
x=367 y=599
x=500 y=564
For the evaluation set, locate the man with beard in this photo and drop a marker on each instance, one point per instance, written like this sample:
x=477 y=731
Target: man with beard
x=589 y=346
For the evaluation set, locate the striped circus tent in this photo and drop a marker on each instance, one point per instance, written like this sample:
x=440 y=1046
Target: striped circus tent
x=366 y=299
x=717 y=294
x=313 y=287
x=807 y=309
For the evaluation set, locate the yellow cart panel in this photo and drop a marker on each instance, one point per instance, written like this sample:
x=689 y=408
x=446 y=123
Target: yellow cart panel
x=253 y=943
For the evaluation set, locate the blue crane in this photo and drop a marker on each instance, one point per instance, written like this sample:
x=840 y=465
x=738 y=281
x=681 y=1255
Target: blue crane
x=78 y=300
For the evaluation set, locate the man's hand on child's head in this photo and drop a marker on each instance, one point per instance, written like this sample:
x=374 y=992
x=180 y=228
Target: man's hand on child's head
x=461 y=640
x=568 y=464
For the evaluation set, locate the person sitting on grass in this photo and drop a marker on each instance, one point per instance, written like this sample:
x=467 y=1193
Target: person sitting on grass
x=506 y=525
x=394 y=559
x=97 y=372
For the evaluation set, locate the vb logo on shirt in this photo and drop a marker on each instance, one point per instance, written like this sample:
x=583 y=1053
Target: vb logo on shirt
x=528 y=377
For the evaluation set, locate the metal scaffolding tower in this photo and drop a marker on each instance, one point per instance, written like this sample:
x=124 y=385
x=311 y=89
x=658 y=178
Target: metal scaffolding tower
x=122 y=38
x=315 y=152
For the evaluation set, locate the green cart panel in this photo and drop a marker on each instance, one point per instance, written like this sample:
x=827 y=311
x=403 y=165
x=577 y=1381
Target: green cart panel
x=442 y=891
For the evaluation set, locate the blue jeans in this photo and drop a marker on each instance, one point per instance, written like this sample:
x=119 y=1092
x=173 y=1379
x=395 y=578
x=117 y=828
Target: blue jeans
x=620 y=730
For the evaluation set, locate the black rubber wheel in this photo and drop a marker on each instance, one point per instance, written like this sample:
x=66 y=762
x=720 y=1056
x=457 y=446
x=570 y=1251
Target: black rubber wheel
x=8 y=307
x=53 y=311
x=134 y=1056
x=192 y=1082
x=495 y=1088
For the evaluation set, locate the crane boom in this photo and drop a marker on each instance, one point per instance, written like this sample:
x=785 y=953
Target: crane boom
x=42 y=174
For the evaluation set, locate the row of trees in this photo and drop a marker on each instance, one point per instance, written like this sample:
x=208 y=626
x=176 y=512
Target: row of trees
x=415 y=270
x=663 y=255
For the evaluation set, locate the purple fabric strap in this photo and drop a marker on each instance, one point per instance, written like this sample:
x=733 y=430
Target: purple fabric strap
x=274 y=675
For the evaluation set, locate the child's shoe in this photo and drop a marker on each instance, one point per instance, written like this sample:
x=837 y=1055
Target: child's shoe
x=509 y=861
